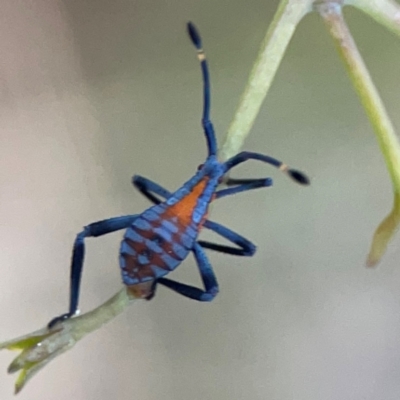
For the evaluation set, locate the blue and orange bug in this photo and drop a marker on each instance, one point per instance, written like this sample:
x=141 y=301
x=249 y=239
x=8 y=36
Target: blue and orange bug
x=158 y=240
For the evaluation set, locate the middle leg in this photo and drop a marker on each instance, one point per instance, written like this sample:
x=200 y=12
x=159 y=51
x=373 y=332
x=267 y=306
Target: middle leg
x=149 y=189
x=246 y=248
x=242 y=185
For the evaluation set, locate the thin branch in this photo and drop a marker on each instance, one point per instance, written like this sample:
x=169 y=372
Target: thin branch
x=385 y=12
x=373 y=105
x=272 y=50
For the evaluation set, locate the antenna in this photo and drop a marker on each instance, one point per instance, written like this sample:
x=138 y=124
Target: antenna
x=206 y=122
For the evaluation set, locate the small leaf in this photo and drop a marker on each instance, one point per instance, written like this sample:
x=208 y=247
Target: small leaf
x=38 y=348
x=384 y=233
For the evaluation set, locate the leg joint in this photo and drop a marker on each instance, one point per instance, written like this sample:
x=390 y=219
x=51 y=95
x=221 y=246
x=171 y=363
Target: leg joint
x=210 y=294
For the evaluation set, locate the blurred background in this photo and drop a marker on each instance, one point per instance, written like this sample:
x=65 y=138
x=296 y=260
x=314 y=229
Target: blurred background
x=92 y=92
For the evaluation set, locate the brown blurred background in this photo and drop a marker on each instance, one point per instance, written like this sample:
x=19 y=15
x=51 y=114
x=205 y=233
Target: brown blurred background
x=92 y=92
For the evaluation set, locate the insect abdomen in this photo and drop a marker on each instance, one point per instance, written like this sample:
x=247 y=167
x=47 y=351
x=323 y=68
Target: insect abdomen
x=153 y=246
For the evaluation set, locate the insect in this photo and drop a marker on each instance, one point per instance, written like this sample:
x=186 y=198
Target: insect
x=158 y=240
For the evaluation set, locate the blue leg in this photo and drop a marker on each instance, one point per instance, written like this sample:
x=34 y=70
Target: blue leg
x=297 y=176
x=207 y=276
x=146 y=187
x=246 y=248
x=242 y=185
x=93 y=230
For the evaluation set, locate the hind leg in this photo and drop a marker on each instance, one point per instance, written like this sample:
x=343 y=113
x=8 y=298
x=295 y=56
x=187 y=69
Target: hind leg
x=207 y=276
x=95 y=229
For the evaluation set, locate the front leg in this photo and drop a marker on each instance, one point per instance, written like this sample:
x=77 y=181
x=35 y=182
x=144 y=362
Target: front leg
x=95 y=229
x=244 y=156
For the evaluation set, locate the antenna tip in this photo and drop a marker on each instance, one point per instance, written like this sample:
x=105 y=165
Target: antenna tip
x=194 y=35
x=298 y=177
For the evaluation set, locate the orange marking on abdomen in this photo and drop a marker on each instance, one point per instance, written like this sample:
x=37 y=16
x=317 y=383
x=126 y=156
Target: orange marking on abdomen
x=183 y=209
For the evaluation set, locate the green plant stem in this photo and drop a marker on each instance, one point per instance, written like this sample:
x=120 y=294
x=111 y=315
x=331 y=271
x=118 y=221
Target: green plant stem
x=376 y=112
x=385 y=12
x=93 y=320
x=272 y=50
